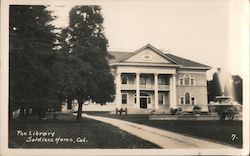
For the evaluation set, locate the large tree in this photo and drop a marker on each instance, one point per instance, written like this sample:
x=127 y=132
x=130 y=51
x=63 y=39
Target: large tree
x=87 y=73
x=31 y=38
x=214 y=87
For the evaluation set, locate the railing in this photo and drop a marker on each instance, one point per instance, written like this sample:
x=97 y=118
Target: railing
x=145 y=87
x=163 y=87
x=128 y=86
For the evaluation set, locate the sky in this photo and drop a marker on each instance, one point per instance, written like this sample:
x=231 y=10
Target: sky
x=212 y=32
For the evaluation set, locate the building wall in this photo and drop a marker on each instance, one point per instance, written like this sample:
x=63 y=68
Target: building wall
x=199 y=90
x=131 y=99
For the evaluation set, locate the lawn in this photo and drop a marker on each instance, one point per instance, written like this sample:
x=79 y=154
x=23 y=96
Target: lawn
x=90 y=134
x=226 y=132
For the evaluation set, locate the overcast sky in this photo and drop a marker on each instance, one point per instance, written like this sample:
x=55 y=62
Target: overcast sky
x=211 y=32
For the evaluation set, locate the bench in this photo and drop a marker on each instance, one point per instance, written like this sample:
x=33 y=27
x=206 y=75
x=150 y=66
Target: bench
x=52 y=111
x=121 y=110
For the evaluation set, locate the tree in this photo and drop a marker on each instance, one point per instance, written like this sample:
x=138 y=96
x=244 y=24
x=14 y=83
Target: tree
x=87 y=73
x=31 y=57
x=237 y=85
x=213 y=87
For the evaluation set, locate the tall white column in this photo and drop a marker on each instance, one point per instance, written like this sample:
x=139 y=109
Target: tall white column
x=174 y=92
x=171 y=92
x=137 y=90
x=156 y=91
x=118 y=90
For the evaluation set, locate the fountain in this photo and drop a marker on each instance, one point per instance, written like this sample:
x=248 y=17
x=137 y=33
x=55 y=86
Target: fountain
x=225 y=105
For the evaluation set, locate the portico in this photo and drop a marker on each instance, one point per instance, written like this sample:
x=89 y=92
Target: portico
x=136 y=83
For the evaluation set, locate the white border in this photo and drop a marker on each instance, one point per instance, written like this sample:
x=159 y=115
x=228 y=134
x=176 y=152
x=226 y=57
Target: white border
x=4 y=95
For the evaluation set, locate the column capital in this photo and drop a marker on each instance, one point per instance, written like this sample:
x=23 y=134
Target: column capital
x=156 y=74
x=137 y=73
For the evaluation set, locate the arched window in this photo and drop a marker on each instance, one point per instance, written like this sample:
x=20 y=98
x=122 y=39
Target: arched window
x=187 y=80
x=187 y=98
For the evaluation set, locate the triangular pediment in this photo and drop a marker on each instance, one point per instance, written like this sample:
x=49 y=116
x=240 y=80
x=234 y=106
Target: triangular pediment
x=148 y=54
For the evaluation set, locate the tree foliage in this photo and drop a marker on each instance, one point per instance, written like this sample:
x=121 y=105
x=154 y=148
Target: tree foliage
x=213 y=87
x=31 y=39
x=84 y=53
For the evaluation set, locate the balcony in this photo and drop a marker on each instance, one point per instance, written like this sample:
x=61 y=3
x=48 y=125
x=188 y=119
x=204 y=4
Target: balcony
x=163 y=87
x=128 y=87
x=147 y=87
x=144 y=87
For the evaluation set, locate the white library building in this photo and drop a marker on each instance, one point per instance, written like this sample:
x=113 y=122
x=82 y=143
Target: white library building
x=150 y=79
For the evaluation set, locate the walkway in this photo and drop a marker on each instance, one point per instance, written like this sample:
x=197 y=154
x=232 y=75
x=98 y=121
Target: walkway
x=164 y=139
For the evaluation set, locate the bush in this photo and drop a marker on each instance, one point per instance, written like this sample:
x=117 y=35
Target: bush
x=172 y=111
x=197 y=109
x=152 y=112
x=179 y=111
x=175 y=111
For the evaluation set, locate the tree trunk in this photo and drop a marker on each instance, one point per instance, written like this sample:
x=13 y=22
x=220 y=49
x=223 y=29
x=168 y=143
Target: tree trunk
x=79 y=112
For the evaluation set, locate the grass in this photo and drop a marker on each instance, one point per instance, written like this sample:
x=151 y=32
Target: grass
x=98 y=134
x=218 y=131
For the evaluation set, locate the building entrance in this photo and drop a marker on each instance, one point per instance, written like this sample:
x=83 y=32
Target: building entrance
x=143 y=102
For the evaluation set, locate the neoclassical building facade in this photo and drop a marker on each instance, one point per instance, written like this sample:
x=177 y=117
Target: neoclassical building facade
x=151 y=79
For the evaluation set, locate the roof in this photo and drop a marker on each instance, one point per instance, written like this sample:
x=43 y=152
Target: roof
x=118 y=56
x=185 y=62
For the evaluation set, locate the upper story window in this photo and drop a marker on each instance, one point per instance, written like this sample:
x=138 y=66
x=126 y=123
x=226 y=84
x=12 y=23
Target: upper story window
x=162 y=81
x=192 y=82
x=146 y=80
x=124 y=80
x=187 y=80
x=181 y=81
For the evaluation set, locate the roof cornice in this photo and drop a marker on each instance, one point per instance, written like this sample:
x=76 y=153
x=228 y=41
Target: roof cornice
x=145 y=64
x=203 y=68
x=144 y=47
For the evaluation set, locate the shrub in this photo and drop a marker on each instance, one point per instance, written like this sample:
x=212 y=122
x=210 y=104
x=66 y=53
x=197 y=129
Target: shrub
x=175 y=111
x=152 y=112
x=179 y=111
x=197 y=109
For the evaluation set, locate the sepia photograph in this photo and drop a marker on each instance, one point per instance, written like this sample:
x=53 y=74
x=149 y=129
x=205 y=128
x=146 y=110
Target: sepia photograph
x=138 y=77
